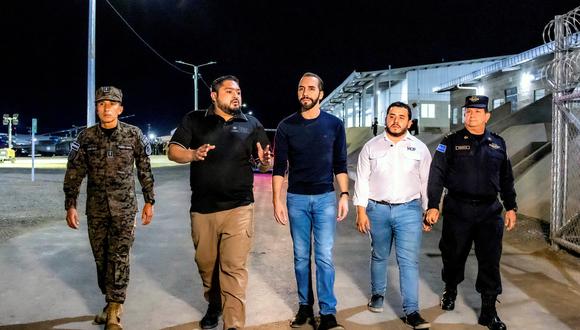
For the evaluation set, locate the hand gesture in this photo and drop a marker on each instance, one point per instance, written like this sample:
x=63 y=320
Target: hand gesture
x=201 y=152
x=264 y=154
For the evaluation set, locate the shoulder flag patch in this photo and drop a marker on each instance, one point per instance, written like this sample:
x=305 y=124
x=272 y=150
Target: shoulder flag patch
x=441 y=148
x=74 y=149
x=146 y=145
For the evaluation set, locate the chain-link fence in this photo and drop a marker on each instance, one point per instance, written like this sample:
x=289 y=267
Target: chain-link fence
x=563 y=77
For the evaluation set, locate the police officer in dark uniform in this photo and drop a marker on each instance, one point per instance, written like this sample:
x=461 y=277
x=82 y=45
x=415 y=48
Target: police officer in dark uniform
x=473 y=165
x=107 y=153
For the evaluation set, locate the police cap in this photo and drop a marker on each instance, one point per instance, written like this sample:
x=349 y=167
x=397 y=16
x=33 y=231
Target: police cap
x=476 y=101
x=109 y=93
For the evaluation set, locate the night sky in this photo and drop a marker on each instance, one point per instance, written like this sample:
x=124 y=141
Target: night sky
x=267 y=44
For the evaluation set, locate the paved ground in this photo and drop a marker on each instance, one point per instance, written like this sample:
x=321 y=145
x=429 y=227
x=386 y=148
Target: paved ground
x=48 y=279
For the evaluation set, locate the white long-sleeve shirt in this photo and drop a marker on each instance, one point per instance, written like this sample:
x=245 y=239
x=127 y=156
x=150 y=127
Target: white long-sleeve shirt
x=392 y=172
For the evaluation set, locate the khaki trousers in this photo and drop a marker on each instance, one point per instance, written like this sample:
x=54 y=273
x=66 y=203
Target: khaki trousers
x=222 y=242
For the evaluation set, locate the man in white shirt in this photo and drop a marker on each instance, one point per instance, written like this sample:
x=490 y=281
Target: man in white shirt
x=390 y=195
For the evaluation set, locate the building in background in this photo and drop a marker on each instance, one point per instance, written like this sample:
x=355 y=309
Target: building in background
x=365 y=95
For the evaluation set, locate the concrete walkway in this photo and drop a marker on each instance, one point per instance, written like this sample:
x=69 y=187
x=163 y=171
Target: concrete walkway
x=48 y=277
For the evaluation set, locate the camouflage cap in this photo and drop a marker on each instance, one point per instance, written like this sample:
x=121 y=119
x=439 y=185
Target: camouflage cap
x=109 y=93
x=476 y=101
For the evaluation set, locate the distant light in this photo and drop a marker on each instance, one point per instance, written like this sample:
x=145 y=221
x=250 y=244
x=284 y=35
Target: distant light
x=244 y=105
x=527 y=78
x=250 y=112
x=152 y=136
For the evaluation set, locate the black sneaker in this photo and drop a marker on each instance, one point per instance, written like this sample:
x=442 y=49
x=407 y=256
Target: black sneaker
x=211 y=318
x=375 y=305
x=415 y=321
x=328 y=322
x=448 y=299
x=305 y=315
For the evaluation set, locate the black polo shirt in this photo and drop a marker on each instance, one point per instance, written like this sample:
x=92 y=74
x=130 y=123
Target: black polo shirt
x=224 y=180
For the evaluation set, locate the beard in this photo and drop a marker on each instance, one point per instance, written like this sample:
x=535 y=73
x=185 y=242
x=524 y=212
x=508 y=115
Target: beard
x=310 y=105
x=228 y=108
x=395 y=134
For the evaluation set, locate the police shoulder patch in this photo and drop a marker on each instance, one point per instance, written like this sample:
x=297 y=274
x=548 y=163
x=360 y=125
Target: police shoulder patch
x=441 y=148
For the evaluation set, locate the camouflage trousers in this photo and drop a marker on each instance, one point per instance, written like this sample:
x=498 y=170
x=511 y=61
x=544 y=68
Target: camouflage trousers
x=111 y=239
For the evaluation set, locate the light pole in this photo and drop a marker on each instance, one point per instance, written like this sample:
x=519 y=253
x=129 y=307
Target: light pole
x=10 y=120
x=195 y=76
x=91 y=64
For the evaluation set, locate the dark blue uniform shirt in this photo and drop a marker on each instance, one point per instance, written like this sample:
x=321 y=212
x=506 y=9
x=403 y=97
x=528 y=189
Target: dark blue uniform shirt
x=472 y=168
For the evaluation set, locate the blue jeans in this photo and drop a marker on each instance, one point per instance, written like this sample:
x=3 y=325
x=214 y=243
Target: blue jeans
x=403 y=224
x=314 y=215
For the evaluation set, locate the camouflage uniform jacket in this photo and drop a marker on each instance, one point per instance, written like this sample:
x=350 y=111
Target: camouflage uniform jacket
x=108 y=162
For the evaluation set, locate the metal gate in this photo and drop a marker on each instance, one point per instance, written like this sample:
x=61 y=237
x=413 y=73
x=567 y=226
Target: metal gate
x=563 y=77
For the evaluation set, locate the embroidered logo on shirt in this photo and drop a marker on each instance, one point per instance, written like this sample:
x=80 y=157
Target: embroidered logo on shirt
x=411 y=148
x=467 y=147
x=240 y=129
x=494 y=146
x=441 y=148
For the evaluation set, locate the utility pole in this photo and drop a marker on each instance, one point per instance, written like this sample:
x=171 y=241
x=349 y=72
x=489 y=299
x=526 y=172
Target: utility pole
x=195 y=76
x=91 y=64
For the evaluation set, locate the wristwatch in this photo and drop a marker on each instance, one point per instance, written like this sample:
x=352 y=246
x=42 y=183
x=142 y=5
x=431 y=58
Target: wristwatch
x=344 y=193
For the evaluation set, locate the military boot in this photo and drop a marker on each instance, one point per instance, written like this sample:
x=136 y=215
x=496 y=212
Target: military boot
x=101 y=318
x=114 y=316
x=448 y=298
x=488 y=316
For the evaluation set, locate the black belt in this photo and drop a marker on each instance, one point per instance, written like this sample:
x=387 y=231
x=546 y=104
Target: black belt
x=387 y=203
x=472 y=199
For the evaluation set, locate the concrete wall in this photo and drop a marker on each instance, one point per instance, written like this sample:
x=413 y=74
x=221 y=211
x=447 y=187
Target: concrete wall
x=534 y=191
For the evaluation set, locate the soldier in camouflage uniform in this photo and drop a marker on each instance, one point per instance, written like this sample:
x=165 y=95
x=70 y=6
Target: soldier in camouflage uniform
x=106 y=153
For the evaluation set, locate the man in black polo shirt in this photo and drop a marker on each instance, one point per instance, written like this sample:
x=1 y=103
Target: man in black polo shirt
x=219 y=144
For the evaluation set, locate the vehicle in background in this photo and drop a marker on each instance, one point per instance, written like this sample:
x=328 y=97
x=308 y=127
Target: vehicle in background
x=7 y=154
x=3 y=140
x=62 y=147
x=44 y=145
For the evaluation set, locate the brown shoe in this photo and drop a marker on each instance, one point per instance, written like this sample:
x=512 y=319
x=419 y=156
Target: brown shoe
x=114 y=312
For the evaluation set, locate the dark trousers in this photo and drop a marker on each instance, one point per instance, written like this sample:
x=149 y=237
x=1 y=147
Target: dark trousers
x=111 y=239
x=466 y=223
